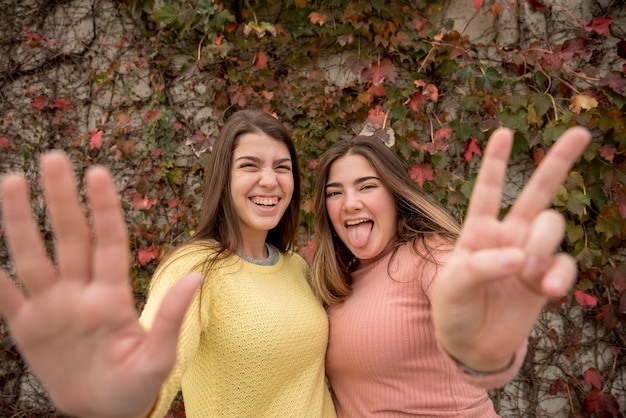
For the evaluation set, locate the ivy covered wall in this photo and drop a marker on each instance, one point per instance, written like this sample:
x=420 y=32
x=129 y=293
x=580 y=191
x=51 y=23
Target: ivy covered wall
x=143 y=86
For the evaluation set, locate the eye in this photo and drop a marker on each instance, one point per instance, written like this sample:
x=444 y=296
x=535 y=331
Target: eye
x=283 y=167
x=332 y=193
x=368 y=186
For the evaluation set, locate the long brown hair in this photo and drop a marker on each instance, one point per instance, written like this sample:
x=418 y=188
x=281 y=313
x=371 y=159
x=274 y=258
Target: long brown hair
x=418 y=215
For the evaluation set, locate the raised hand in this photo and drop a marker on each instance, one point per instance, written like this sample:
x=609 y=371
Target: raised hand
x=501 y=273
x=74 y=321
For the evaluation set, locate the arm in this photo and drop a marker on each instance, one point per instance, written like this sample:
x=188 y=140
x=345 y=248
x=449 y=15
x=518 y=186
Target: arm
x=502 y=272
x=74 y=320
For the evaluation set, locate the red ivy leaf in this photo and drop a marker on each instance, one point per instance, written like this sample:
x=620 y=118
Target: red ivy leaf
x=608 y=317
x=150 y=115
x=478 y=4
x=31 y=90
x=39 y=103
x=378 y=72
x=615 y=82
x=239 y=98
x=57 y=118
x=318 y=18
x=603 y=404
x=471 y=148
x=558 y=386
x=172 y=203
x=421 y=172
x=608 y=152
x=146 y=254
x=4 y=142
x=418 y=98
x=585 y=299
x=536 y=5
x=443 y=133
x=600 y=26
x=260 y=61
x=62 y=104
x=141 y=202
x=96 y=138
x=593 y=377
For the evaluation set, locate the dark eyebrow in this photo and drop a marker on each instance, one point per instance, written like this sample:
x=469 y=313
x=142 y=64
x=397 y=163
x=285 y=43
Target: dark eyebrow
x=357 y=181
x=258 y=160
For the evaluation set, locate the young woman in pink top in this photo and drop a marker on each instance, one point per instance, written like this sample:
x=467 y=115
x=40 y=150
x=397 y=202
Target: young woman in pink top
x=425 y=315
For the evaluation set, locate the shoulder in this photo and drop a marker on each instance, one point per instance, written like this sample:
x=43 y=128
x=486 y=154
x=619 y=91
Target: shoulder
x=295 y=259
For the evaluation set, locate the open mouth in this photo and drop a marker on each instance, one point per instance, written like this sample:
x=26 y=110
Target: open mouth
x=265 y=201
x=358 y=231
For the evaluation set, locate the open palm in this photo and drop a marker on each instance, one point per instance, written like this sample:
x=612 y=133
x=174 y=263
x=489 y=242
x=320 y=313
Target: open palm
x=74 y=320
x=503 y=271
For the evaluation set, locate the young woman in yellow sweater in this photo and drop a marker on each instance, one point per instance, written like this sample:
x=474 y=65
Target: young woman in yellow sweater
x=423 y=315
x=253 y=340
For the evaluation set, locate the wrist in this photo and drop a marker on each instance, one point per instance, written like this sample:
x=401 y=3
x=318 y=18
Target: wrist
x=482 y=372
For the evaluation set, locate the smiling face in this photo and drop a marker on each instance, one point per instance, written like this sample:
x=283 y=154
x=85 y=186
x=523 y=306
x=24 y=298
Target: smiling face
x=361 y=209
x=261 y=184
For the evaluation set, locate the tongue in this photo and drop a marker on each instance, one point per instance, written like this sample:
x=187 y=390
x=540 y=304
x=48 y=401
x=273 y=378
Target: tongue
x=359 y=234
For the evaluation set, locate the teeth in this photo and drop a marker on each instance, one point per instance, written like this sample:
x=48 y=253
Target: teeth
x=356 y=222
x=265 y=201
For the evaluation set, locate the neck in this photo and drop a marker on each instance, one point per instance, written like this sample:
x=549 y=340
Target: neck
x=256 y=250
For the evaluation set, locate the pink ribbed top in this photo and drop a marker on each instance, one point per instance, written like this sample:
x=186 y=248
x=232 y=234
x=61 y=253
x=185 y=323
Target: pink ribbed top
x=383 y=358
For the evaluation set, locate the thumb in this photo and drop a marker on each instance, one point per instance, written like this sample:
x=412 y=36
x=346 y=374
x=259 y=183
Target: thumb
x=163 y=337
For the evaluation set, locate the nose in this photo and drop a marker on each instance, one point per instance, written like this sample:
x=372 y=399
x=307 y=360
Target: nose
x=268 y=179
x=351 y=202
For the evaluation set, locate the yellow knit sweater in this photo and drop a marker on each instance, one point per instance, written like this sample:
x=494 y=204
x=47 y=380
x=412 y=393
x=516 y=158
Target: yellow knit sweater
x=252 y=343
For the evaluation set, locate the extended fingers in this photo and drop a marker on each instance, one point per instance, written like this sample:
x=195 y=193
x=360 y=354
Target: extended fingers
x=72 y=237
x=110 y=258
x=32 y=265
x=545 y=234
x=487 y=192
x=559 y=277
x=552 y=171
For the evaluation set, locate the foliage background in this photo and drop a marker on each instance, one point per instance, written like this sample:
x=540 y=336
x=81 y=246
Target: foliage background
x=142 y=86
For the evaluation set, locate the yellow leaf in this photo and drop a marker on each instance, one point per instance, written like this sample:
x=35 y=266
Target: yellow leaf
x=582 y=102
x=300 y=3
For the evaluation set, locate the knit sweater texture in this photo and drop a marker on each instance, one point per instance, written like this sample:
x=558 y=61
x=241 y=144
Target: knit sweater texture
x=383 y=358
x=252 y=342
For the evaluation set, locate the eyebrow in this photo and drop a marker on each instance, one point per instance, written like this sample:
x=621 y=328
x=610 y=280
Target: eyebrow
x=258 y=160
x=357 y=181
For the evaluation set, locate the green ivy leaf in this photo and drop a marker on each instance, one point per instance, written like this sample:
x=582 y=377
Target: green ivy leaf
x=378 y=4
x=609 y=222
x=166 y=15
x=574 y=232
x=541 y=102
x=520 y=144
x=514 y=120
x=489 y=80
x=577 y=203
x=552 y=133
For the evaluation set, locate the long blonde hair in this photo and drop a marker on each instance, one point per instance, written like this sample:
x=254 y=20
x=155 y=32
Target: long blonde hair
x=418 y=215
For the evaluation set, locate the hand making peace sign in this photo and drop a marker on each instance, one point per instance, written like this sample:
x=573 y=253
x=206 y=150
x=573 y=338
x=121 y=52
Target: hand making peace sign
x=503 y=271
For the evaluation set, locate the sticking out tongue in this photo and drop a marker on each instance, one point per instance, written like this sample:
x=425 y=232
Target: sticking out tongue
x=359 y=234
